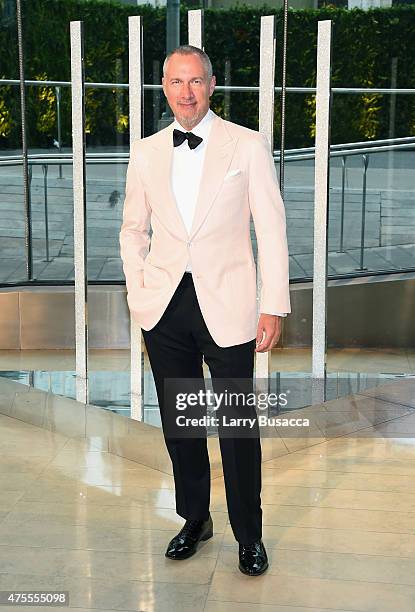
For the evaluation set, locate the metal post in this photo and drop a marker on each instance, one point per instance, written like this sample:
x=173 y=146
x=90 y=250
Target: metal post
x=119 y=98
x=135 y=79
x=227 y=93
x=266 y=125
x=79 y=195
x=58 y=114
x=156 y=94
x=25 y=164
x=321 y=204
x=392 y=120
x=45 y=194
x=29 y=192
x=344 y=160
x=363 y=220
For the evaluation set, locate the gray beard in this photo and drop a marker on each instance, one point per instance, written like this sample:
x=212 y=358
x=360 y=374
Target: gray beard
x=189 y=124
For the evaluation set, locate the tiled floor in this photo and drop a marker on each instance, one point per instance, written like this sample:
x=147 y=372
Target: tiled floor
x=339 y=526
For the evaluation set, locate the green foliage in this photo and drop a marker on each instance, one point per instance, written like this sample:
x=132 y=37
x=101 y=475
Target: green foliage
x=364 y=44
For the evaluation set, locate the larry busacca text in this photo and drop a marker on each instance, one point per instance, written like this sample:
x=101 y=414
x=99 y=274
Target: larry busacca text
x=225 y=421
x=217 y=401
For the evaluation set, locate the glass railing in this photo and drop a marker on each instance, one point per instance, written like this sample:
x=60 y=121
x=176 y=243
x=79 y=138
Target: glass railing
x=371 y=213
x=371 y=208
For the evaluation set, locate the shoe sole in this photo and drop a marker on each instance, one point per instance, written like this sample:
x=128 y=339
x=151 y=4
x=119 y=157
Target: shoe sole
x=256 y=574
x=207 y=536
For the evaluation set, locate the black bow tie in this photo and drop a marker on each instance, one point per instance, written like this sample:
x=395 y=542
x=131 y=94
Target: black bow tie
x=179 y=137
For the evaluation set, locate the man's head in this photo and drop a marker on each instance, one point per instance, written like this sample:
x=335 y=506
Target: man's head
x=188 y=83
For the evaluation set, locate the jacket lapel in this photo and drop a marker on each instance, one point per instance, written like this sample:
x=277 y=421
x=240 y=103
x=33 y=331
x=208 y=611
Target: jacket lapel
x=160 y=164
x=218 y=156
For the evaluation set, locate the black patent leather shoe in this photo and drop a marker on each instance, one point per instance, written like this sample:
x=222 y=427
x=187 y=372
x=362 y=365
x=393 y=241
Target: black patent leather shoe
x=253 y=559
x=185 y=543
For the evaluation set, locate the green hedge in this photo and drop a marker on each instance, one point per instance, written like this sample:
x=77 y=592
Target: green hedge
x=364 y=44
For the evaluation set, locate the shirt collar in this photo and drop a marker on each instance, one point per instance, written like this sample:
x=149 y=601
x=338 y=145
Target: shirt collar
x=202 y=128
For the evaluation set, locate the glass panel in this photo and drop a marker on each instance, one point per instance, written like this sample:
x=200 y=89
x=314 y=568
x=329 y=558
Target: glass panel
x=372 y=220
x=12 y=223
x=105 y=200
x=238 y=106
x=298 y=184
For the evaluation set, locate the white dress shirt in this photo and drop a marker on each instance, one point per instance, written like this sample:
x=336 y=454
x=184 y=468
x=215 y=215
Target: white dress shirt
x=187 y=171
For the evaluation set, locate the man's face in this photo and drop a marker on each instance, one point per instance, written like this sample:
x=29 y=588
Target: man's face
x=187 y=88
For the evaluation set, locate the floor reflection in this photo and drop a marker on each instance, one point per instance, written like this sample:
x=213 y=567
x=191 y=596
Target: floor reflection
x=111 y=389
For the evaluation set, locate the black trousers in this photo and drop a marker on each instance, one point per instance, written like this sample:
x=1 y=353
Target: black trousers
x=176 y=347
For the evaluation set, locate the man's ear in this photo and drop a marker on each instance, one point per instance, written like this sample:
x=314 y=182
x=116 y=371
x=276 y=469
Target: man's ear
x=162 y=83
x=212 y=85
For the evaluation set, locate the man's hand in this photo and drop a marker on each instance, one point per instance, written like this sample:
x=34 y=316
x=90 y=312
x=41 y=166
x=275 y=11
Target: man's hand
x=268 y=333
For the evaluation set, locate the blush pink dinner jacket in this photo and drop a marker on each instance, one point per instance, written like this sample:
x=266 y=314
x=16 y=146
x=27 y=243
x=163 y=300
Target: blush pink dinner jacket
x=238 y=179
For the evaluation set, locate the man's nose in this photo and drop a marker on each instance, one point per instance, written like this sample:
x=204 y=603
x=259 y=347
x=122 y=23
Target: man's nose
x=187 y=90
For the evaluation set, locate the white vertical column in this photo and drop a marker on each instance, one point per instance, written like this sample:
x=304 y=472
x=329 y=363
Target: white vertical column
x=195 y=24
x=135 y=79
x=79 y=199
x=321 y=204
x=266 y=124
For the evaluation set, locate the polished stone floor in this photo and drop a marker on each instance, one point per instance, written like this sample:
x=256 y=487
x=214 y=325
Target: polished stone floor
x=339 y=524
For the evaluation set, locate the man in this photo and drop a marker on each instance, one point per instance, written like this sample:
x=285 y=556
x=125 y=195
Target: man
x=193 y=289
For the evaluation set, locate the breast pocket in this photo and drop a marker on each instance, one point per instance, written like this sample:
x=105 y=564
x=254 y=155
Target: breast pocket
x=233 y=187
x=234 y=175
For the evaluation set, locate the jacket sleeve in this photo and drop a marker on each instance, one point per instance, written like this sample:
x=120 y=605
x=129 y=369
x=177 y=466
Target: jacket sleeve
x=134 y=235
x=268 y=213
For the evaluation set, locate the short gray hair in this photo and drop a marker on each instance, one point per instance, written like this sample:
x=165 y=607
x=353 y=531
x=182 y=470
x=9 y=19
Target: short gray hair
x=191 y=50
